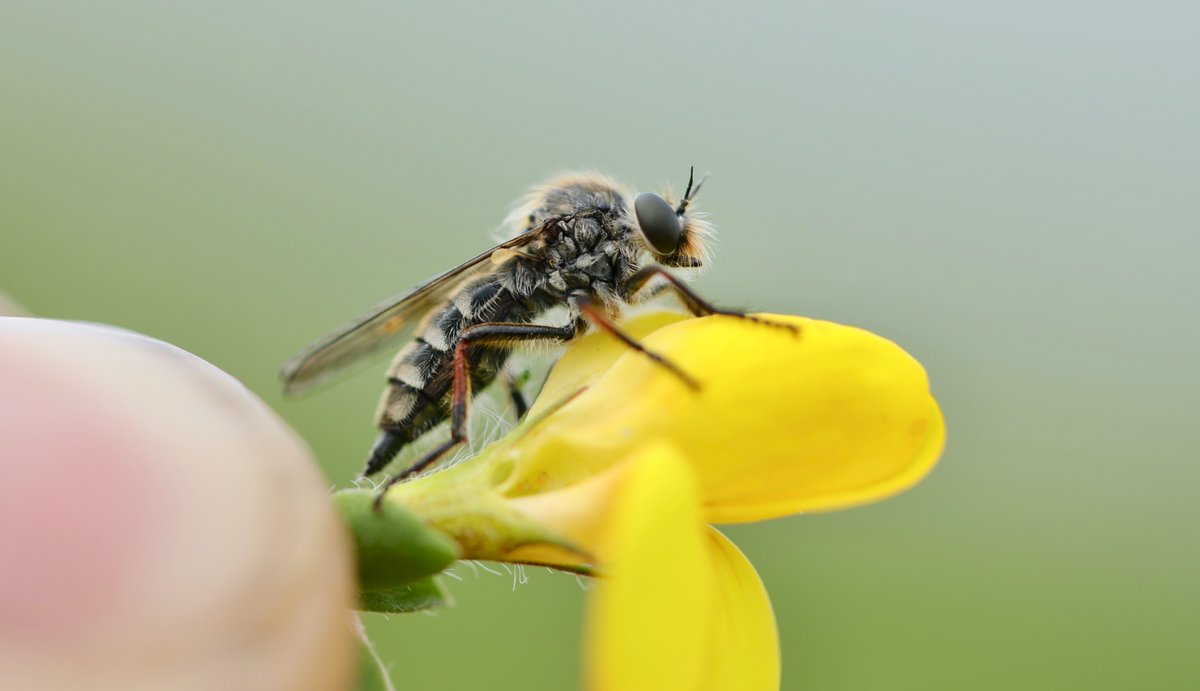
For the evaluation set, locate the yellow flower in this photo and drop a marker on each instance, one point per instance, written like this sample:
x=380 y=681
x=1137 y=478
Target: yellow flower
x=621 y=468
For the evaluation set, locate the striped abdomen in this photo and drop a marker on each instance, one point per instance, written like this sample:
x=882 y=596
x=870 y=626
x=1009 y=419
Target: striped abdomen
x=421 y=377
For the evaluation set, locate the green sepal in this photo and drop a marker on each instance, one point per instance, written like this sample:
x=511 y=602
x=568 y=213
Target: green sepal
x=402 y=599
x=393 y=547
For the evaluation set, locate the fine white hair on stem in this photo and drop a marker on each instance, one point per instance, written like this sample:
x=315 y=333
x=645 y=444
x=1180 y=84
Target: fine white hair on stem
x=519 y=576
x=487 y=568
x=370 y=482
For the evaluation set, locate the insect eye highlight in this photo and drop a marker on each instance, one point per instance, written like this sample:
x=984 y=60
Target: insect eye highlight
x=659 y=223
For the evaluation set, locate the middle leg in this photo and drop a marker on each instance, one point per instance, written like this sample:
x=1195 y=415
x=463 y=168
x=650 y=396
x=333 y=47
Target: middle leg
x=584 y=306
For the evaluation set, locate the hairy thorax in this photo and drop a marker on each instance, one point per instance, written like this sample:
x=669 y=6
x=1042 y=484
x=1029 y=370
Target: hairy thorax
x=585 y=253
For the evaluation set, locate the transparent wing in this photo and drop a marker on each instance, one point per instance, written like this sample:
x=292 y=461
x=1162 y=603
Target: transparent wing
x=388 y=323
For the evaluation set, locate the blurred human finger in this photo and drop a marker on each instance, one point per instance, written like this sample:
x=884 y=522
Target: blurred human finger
x=160 y=527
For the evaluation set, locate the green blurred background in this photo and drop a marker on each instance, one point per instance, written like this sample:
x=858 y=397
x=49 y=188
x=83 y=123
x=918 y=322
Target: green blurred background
x=1008 y=190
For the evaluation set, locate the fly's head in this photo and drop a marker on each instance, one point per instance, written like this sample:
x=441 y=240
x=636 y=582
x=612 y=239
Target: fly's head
x=673 y=233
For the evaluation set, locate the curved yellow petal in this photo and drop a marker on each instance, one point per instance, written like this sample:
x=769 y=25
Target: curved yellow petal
x=647 y=621
x=743 y=644
x=589 y=357
x=783 y=423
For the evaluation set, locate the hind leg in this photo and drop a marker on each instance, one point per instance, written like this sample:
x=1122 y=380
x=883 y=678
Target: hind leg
x=480 y=334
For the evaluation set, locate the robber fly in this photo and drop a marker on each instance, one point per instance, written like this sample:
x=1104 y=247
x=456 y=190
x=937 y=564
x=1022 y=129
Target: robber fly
x=581 y=241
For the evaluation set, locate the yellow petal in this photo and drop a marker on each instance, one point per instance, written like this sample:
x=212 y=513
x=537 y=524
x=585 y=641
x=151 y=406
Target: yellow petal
x=578 y=513
x=743 y=644
x=783 y=423
x=590 y=356
x=647 y=622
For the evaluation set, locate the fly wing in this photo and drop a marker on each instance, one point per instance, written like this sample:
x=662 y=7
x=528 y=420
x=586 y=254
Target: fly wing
x=389 y=322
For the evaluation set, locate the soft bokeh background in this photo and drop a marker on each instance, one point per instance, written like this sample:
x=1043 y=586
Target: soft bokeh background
x=1009 y=190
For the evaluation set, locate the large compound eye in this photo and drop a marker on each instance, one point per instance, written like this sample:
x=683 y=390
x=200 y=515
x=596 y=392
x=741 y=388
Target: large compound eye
x=659 y=222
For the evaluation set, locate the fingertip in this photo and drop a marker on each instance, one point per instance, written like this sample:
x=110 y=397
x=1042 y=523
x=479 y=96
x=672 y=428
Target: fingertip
x=154 y=510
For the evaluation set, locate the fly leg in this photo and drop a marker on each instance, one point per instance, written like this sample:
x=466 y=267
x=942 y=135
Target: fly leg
x=584 y=306
x=479 y=334
x=695 y=304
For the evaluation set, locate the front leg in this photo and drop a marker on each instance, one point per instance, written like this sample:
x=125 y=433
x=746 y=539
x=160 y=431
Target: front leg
x=695 y=304
x=480 y=334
